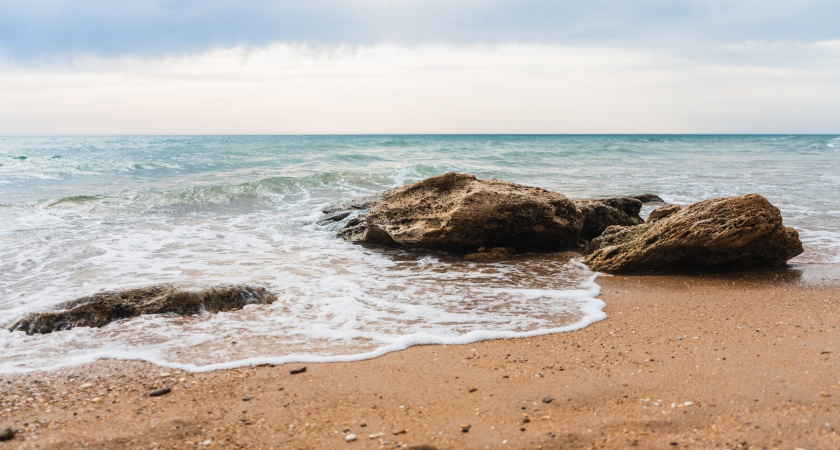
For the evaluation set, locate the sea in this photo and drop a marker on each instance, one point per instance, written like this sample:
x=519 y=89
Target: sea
x=84 y=214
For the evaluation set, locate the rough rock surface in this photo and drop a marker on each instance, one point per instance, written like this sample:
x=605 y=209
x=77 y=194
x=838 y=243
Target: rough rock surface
x=744 y=231
x=457 y=212
x=663 y=212
x=104 y=307
x=601 y=213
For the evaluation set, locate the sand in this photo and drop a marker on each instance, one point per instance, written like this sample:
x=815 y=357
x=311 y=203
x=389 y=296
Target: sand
x=714 y=361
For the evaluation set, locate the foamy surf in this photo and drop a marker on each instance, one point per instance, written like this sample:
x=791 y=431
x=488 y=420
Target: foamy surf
x=81 y=214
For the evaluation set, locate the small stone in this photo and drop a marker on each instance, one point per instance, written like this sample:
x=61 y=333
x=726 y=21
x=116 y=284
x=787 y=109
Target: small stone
x=688 y=404
x=375 y=435
x=465 y=428
x=350 y=437
x=86 y=385
x=472 y=390
x=422 y=447
x=526 y=420
x=6 y=434
x=96 y=400
x=398 y=432
x=362 y=424
x=298 y=370
x=247 y=398
x=207 y=442
x=346 y=430
x=825 y=394
x=165 y=374
x=547 y=400
x=674 y=443
x=159 y=392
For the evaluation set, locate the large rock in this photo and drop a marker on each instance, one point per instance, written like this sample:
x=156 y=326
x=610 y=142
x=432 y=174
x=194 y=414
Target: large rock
x=104 y=307
x=457 y=212
x=743 y=231
x=602 y=213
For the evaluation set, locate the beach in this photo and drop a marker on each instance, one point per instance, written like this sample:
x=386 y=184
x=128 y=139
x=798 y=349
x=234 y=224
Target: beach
x=745 y=360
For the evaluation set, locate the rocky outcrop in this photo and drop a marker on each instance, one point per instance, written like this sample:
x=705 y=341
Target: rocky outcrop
x=457 y=212
x=602 y=213
x=743 y=231
x=105 y=307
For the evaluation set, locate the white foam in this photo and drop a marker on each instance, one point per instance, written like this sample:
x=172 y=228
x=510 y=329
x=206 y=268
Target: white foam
x=337 y=301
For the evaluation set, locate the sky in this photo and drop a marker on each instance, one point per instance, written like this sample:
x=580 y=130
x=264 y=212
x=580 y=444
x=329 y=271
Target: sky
x=419 y=66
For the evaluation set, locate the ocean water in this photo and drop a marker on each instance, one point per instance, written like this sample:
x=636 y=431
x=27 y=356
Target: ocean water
x=81 y=214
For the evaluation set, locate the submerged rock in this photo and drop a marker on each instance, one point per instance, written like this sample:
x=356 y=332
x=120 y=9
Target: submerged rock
x=457 y=212
x=360 y=203
x=648 y=198
x=602 y=213
x=105 y=307
x=744 y=231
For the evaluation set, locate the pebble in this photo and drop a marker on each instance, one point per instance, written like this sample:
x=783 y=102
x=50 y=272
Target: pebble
x=96 y=400
x=688 y=403
x=375 y=435
x=350 y=437
x=6 y=434
x=465 y=428
x=422 y=447
x=298 y=370
x=159 y=392
x=247 y=398
x=401 y=431
x=547 y=400
x=86 y=385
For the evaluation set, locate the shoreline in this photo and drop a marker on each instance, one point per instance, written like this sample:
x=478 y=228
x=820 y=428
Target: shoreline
x=730 y=360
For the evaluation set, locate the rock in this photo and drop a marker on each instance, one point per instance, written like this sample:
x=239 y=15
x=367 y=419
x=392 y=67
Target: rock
x=298 y=370
x=466 y=428
x=247 y=398
x=547 y=399
x=648 y=198
x=350 y=437
x=360 y=203
x=159 y=392
x=334 y=217
x=663 y=212
x=457 y=212
x=105 y=307
x=744 y=231
x=6 y=434
x=422 y=447
x=602 y=213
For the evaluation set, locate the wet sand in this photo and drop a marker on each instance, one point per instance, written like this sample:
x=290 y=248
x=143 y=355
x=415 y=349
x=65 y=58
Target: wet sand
x=714 y=361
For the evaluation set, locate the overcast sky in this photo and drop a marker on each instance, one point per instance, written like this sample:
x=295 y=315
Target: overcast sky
x=419 y=66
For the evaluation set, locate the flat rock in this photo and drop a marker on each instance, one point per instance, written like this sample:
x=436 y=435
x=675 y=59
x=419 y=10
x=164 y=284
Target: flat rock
x=602 y=213
x=458 y=212
x=105 y=307
x=744 y=231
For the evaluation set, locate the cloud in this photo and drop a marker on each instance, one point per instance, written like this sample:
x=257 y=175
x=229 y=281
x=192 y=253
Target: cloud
x=47 y=29
x=429 y=88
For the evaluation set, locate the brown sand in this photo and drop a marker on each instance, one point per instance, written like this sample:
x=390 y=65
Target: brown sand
x=682 y=361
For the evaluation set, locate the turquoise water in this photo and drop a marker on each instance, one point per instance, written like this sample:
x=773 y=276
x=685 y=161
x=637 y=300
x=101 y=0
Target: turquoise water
x=80 y=214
